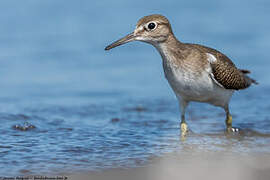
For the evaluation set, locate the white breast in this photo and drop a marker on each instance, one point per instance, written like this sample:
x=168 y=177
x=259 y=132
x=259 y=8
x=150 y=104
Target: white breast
x=193 y=87
x=187 y=84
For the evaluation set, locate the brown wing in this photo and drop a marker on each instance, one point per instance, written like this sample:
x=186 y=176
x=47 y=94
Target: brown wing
x=229 y=76
x=225 y=72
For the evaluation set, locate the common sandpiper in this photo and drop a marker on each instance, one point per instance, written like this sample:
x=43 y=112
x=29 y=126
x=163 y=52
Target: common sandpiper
x=194 y=72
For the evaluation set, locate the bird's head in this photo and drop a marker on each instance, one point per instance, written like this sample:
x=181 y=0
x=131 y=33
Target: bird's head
x=152 y=29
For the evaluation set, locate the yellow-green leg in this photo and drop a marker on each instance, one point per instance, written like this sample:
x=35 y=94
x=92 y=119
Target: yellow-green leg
x=183 y=125
x=229 y=121
x=184 y=128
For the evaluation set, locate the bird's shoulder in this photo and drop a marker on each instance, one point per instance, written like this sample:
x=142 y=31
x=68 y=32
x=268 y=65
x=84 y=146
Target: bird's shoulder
x=221 y=58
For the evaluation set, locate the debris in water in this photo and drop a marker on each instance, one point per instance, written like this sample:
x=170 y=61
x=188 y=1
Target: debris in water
x=25 y=127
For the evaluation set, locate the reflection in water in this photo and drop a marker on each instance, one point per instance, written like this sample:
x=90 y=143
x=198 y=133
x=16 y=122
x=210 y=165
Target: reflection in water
x=104 y=136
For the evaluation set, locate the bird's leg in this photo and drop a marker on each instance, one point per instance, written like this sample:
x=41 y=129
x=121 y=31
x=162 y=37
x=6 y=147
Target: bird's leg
x=183 y=125
x=229 y=121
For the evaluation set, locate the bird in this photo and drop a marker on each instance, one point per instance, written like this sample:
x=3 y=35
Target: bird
x=196 y=73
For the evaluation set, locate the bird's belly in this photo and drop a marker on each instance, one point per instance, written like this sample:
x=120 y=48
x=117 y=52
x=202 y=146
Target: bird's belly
x=189 y=86
x=194 y=86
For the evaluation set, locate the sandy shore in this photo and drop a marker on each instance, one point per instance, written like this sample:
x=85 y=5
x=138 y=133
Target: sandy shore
x=221 y=166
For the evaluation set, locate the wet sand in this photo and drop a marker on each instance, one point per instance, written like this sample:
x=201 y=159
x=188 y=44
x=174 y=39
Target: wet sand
x=222 y=166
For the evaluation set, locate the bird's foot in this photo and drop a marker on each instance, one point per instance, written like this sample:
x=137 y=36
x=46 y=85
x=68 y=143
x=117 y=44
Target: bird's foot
x=233 y=130
x=184 y=129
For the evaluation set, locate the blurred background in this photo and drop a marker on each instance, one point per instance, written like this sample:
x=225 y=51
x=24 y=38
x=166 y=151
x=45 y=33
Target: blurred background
x=67 y=105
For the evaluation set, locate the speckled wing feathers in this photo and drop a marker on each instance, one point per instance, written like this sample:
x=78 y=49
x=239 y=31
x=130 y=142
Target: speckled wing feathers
x=229 y=76
x=225 y=72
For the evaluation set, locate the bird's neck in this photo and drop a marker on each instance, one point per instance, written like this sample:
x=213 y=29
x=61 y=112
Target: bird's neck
x=171 y=49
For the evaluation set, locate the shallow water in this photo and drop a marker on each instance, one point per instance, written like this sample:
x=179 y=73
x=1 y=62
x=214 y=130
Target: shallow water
x=66 y=105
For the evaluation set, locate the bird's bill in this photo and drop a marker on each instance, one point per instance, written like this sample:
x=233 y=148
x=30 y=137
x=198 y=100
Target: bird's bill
x=124 y=40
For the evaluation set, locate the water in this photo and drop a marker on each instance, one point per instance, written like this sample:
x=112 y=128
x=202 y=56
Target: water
x=66 y=105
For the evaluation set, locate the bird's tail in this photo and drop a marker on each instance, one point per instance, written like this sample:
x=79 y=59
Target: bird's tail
x=250 y=80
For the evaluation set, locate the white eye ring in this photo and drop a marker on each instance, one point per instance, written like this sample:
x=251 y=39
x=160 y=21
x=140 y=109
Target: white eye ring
x=151 y=26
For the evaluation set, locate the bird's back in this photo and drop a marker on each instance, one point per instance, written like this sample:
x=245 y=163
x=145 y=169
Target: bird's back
x=224 y=70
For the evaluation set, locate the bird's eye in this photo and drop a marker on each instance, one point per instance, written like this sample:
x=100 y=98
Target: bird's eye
x=151 y=26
